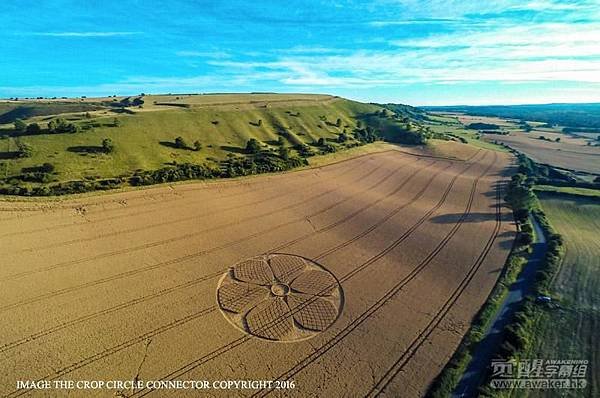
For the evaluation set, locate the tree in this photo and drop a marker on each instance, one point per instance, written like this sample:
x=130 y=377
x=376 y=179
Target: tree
x=197 y=146
x=51 y=126
x=338 y=122
x=284 y=153
x=252 y=146
x=519 y=178
x=259 y=122
x=137 y=102
x=88 y=115
x=62 y=126
x=47 y=167
x=20 y=125
x=280 y=141
x=321 y=141
x=180 y=143
x=520 y=197
x=107 y=145
x=525 y=239
x=116 y=122
x=557 y=139
x=25 y=150
x=34 y=128
x=521 y=215
x=342 y=138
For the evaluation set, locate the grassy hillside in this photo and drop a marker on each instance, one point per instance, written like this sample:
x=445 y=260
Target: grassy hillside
x=213 y=130
x=571 y=332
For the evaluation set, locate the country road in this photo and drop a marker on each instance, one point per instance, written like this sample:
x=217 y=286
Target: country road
x=471 y=379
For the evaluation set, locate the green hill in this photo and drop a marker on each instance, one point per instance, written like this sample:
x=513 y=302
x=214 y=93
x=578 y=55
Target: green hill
x=145 y=134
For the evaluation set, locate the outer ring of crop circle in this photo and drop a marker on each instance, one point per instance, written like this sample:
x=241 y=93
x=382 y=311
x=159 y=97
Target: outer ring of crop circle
x=225 y=313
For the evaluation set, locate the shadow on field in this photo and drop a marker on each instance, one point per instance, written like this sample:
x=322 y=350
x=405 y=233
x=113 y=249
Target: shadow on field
x=9 y=155
x=85 y=149
x=453 y=218
x=33 y=169
x=172 y=145
x=233 y=149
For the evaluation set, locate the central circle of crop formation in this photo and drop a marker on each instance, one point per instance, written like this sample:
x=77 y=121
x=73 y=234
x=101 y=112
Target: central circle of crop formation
x=280 y=297
x=279 y=289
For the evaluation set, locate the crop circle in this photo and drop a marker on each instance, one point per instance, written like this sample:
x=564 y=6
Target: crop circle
x=280 y=297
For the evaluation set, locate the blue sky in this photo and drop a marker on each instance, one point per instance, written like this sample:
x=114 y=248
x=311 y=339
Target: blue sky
x=411 y=51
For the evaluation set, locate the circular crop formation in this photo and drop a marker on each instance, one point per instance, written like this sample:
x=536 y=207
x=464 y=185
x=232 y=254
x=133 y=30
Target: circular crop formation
x=280 y=297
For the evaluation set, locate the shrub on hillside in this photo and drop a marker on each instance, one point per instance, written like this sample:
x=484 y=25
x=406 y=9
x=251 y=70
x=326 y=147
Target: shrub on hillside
x=180 y=143
x=59 y=126
x=107 y=145
x=304 y=150
x=47 y=168
x=24 y=150
x=252 y=146
x=20 y=126
x=33 y=129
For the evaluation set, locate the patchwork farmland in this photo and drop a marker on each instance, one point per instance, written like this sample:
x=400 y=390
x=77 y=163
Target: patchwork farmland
x=378 y=262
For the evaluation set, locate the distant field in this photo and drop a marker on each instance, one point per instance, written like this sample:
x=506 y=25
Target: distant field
x=572 y=331
x=585 y=116
x=569 y=190
x=570 y=152
x=565 y=155
x=449 y=123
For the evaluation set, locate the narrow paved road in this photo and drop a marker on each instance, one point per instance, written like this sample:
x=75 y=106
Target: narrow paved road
x=482 y=357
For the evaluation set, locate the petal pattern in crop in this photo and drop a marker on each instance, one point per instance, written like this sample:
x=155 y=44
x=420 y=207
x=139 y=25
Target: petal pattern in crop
x=270 y=319
x=312 y=312
x=254 y=271
x=315 y=282
x=237 y=296
x=286 y=268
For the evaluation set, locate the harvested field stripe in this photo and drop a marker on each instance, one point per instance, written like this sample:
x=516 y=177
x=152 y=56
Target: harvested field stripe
x=169 y=202
x=162 y=264
x=389 y=295
x=213 y=354
x=194 y=282
x=228 y=347
x=389 y=375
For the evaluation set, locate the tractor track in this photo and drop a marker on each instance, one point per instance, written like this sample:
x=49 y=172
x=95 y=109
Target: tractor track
x=412 y=349
x=389 y=295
